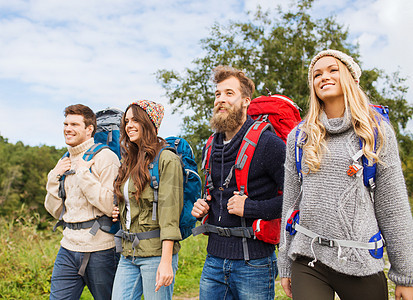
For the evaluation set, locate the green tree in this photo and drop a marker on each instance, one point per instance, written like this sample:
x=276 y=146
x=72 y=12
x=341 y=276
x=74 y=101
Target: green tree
x=23 y=175
x=274 y=49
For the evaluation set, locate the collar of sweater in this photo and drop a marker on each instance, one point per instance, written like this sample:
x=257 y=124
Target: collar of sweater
x=233 y=146
x=73 y=151
x=336 y=125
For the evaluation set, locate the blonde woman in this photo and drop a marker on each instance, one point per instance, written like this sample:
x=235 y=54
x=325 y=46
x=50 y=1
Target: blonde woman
x=335 y=243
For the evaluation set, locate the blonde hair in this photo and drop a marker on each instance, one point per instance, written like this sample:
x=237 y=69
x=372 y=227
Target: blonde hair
x=365 y=120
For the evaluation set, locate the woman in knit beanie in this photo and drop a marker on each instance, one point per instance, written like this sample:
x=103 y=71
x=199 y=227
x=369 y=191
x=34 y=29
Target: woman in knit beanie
x=150 y=229
x=335 y=243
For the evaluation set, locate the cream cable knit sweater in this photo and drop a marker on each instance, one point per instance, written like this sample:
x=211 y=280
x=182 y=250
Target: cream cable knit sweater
x=337 y=206
x=89 y=194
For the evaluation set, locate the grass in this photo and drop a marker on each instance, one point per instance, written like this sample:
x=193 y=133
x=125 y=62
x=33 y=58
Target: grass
x=28 y=249
x=191 y=260
x=27 y=258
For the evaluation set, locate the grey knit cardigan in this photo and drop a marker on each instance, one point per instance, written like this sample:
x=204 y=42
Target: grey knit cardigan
x=337 y=206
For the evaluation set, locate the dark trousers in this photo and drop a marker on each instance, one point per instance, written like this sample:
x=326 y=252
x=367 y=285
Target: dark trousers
x=99 y=274
x=320 y=282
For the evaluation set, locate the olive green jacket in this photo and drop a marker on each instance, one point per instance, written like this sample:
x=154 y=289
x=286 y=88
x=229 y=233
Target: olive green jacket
x=170 y=203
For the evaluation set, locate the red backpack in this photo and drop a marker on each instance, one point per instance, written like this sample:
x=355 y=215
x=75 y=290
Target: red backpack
x=273 y=112
x=283 y=113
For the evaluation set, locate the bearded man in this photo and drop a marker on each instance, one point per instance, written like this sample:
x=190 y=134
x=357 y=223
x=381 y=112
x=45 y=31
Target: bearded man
x=228 y=273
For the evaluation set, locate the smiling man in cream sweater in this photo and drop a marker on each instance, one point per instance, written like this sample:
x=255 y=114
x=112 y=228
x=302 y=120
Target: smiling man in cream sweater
x=85 y=257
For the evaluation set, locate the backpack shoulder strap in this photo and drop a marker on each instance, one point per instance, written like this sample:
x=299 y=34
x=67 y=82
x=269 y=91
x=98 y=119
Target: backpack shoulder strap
x=369 y=171
x=154 y=168
x=246 y=152
x=62 y=193
x=95 y=149
x=243 y=162
x=206 y=167
x=300 y=138
x=208 y=147
x=67 y=154
x=89 y=154
x=154 y=179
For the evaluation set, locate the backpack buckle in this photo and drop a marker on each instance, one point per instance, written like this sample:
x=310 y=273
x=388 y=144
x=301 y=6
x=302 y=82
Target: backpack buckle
x=353 y=169
x=222 y=231
x=325 y=242
x=75 y=226
x=372 y=184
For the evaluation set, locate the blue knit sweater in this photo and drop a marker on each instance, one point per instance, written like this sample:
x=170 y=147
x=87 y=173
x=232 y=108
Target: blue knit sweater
x=265 y=178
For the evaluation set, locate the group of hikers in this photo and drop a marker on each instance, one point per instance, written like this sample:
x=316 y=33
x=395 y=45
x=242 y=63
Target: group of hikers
x=335 y=218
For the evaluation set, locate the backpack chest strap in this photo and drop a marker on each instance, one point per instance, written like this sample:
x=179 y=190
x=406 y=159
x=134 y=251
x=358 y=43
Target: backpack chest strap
x=243 y=232
x=336 y=242
x=374 y=246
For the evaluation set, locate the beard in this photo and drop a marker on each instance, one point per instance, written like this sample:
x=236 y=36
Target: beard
x=221 y=122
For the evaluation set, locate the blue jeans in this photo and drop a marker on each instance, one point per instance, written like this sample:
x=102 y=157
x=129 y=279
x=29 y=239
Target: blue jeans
x=138 y=275
x=99 y=274
x=238 y=279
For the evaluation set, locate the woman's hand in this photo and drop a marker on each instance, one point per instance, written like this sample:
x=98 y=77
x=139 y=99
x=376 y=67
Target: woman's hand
x=201 y=207
x=403 y=292
x=115 y=213
x=286 y=284
x=165 y=272
x=164 y=275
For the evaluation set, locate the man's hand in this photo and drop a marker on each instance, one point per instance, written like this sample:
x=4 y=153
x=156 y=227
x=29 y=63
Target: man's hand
x=403 y=292
x=85 y=164
x=236 y=203
x=62 y=166
x=201 y=207
x=115 y=213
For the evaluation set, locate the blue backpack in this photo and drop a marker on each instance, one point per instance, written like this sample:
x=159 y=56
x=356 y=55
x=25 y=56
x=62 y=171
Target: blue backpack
x=106 y=137
x=369 y=172
x=107 y=131
x=191 y=184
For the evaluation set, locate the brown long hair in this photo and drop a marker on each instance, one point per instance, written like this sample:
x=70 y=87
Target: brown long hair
x=136 y=157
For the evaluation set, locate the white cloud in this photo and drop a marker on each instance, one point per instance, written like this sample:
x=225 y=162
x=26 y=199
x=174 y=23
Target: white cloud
x=105 y=53
x=99 y=53
x=382 y=29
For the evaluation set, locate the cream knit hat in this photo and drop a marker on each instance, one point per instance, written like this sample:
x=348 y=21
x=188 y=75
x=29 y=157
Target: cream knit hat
x=352 y=66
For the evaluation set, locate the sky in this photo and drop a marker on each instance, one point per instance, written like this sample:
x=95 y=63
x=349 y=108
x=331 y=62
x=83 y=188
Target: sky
x=105 y=53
